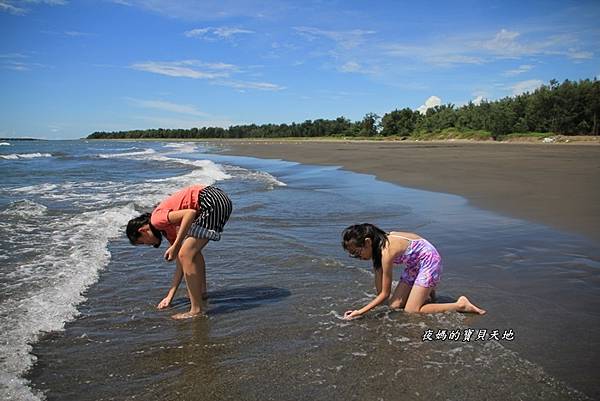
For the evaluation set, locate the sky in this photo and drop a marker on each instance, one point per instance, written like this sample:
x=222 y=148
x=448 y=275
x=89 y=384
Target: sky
x=70 y=68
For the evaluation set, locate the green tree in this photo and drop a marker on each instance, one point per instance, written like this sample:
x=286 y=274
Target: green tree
x=399 y=122
x=369 y=125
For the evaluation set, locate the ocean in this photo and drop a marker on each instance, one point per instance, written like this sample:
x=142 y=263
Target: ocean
x=77 y=301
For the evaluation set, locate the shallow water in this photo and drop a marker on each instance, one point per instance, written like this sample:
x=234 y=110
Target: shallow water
x=278 y=283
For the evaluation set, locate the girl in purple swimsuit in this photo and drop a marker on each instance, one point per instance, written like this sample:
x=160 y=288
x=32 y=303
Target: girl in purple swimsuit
x=419 y=278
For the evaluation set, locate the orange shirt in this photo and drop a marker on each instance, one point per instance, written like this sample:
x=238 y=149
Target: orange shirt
x=186 y=198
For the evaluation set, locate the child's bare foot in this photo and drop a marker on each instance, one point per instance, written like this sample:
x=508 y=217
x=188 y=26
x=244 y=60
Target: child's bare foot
x=187 y=315
x=464 y=305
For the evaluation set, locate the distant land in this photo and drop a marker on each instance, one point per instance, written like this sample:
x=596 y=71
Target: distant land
x=21 y=139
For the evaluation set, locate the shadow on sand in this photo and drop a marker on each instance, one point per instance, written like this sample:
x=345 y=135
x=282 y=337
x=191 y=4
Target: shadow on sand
x=238 y=299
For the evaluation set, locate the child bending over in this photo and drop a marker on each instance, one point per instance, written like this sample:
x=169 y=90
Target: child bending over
x=188 y=219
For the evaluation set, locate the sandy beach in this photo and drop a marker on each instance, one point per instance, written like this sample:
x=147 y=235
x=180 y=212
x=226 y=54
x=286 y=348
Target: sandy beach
x=556 y=185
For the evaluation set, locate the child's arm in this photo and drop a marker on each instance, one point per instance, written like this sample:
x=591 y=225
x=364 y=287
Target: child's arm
x=382 y=296
x=184 y=219
x=177 y=276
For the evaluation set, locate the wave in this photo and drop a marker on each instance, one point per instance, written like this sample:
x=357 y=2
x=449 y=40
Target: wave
x=208 y=173
x=78 y=252
x=127 y=154
x=24 y=208
x=96 y=194
x=183 y=147
x=18 y=156
x=262 y=176
x=4 y=144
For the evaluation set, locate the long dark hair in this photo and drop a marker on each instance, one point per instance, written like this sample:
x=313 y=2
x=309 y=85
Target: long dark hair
x=358 y=233
x=134 y=226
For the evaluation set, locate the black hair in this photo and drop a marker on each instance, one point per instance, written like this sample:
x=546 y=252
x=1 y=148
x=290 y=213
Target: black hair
x=134 y=226
x=358 y=233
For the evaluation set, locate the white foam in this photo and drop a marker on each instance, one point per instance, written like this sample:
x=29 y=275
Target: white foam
x=127 y=154
x=91 y=194
x=24 y=208
x=18 y=156
x=71 y=263
x=36 y=189
x=183 y=147
x=262 y=176
x=4 y=144
x=336 y=315
x=208 y=171
x=211 y=171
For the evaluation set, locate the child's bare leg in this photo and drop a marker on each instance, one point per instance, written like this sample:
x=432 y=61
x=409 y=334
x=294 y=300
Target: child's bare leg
x=193 y=273
x=418 y=296
x=400 y=295
x=199 y=261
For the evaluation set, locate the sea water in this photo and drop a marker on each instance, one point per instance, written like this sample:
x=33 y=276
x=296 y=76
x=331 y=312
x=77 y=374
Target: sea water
x=78 y=301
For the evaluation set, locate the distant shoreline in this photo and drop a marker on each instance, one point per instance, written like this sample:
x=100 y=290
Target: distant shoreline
x=530 y=140
x=22 y=139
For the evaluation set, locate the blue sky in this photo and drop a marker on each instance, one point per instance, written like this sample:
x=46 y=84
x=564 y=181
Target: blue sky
x=69 y=68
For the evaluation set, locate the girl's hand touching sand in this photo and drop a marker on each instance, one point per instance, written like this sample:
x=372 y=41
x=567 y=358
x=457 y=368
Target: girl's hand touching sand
x=351 y=314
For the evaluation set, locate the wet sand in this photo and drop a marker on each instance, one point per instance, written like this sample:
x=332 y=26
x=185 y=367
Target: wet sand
x=556 y=185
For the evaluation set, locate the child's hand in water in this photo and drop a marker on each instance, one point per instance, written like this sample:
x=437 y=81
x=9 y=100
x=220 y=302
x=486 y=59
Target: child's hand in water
x=165 y=303
x=351 y=314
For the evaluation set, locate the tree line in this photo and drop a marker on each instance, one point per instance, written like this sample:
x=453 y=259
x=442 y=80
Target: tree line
x=568 y=108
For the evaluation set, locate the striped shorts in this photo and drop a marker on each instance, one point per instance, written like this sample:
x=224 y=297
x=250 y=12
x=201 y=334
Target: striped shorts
x=214 y=210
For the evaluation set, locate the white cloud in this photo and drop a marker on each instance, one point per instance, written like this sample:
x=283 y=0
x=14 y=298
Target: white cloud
x=345 y=39
x=353 y=67
x=68 y=33
x=20 y=7
x=350 y=66
x=5 y=6
x=477 y=101
x=12 y=56
x=504 y=43
x=17 y=62
x=431 y=102
x=577 y=55
x=209 y=9
x=77 y=33
x=186 y=68
x=266 y=86
x=197 y=32
x=168 y=106
x=435 y=54
x=216 y=73
x=211 y=33
x=508 y=44
x=478 y=49
x=519 y=70
x=525 y=86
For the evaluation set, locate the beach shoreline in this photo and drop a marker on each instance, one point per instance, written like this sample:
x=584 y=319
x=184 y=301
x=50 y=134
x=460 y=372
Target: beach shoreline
x=552 y=184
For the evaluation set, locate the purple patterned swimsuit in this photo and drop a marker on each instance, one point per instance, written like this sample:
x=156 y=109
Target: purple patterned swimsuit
x=423 y=263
